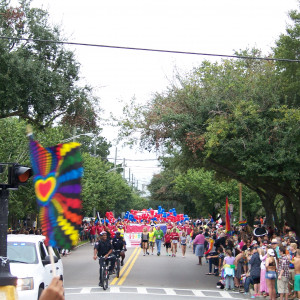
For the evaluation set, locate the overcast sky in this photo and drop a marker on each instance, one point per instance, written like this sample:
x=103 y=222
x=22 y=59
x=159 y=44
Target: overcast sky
x=210 y=26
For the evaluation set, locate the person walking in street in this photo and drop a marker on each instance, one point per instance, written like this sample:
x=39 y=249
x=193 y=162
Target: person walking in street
x=151 y=239
x=145 y=240
x=199 y=246
x=159 y=235
x=167 y=240
x=183 y=242
x=174 y=241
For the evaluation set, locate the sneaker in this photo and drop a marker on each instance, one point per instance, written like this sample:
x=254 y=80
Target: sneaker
x=183 y=256
x=225 y=289
x=158 y=254
x=252 y=297
x=245 y=293
x=144 y=254
x=100 y=284
x=122 y=263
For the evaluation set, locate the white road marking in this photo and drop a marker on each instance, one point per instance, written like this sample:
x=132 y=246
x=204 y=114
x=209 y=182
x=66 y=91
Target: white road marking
x=225 y=294
x=198 y=293
x=142 y=290
x=86 y=290
x=170 y=291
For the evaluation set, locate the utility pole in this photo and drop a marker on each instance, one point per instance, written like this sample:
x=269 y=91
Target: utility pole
x=129 y=175
x=116 y=154
x=124 y=168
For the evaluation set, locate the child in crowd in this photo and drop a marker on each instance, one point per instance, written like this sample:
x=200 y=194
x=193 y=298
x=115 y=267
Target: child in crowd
x=228 y=267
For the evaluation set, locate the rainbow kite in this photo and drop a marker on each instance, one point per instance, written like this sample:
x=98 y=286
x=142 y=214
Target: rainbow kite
x=57 y=183
x=227 y=215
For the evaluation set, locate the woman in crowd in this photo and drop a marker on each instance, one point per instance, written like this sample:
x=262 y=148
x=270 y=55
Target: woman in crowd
x=271 y=267
x=151 y=239
x=241 y=266
x=263 y=284
x=199 y=246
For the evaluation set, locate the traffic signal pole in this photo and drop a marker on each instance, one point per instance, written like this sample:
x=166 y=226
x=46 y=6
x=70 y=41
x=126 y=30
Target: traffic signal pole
x=17 y=175
x=8 y=282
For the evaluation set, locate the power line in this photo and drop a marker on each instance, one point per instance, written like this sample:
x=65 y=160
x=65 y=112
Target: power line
x=149 y=49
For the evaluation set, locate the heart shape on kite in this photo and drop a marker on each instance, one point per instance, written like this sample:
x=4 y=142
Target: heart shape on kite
x=44 y=188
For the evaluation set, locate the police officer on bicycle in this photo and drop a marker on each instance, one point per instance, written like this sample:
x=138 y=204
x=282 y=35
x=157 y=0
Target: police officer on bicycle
x=103 y=249
x=119 y=243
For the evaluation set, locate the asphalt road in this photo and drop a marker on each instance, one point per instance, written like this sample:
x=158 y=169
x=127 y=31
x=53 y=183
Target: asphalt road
x=142 y=277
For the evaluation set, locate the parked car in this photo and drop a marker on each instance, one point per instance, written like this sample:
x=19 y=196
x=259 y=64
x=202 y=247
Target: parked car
x=30 y=262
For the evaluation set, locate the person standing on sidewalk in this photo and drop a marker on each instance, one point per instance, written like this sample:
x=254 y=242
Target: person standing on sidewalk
x=283 y=274
x=159 y=235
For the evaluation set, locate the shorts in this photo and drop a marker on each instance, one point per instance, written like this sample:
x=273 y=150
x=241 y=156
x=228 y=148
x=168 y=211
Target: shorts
x=270 y=275
x=256 y=280
x=174 y=242
x=151 y=244
x=93 y=236
x=168 y=245
x=145 y=241
x=283 y=285
x=183 y=244
x=297 y=283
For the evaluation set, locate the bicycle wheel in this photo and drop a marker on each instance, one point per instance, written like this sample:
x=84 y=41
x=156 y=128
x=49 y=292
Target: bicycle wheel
x=105 y=278
x=102 y=276
x=118 y=267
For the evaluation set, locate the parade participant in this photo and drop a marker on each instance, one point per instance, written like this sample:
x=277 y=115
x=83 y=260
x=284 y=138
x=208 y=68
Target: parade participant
x=92 y=231
x=145 y=240
x=283 y=274
x=183 y=241
x=119 y=243
x=271 y=266
x=159 y=235
x=104 y=250
x=174 y=241
x=167 y=243
x=263 y=283
x=297 y=273
x=151 y=239
x=121 y=230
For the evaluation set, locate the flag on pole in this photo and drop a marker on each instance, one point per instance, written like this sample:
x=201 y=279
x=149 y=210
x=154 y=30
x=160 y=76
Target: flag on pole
x=57 y=183
x=227 y=217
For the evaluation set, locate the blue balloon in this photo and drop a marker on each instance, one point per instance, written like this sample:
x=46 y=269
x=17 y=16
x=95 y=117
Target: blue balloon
x=174 y=214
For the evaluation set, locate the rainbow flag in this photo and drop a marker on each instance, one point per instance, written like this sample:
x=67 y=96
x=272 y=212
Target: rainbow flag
x=57 y=182
x=227 y=217
x=243 y=223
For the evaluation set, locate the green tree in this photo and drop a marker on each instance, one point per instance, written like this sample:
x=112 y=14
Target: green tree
x=229 y=117
x=39 y=79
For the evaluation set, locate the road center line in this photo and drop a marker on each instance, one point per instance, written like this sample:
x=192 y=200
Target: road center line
x=125 y=266
x=129 y=268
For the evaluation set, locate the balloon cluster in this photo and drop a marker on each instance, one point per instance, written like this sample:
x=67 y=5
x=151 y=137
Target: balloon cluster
x=109 y=215
x=150 y=215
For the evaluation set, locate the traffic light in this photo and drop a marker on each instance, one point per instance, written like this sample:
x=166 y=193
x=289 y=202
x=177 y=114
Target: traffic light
x=18 y=175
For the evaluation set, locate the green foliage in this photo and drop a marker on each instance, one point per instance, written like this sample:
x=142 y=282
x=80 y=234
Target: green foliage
x=39 y=80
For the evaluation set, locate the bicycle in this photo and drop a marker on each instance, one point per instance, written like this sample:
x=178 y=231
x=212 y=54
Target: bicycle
x=118 y=262
x=104 y=273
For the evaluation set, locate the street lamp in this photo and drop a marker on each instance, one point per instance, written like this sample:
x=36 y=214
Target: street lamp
x=90 y=134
